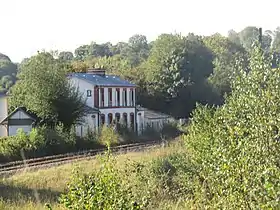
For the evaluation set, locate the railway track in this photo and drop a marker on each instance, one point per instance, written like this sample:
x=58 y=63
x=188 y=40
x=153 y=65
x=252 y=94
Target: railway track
x=55 y=160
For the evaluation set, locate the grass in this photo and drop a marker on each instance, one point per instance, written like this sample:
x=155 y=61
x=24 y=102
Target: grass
x=31 y=190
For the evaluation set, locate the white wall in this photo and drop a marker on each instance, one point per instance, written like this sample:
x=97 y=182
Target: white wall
x=90 y=124
x=13 y=129
x=3 y=114
x=157 y=123
x=83 y=87
x=140 y=122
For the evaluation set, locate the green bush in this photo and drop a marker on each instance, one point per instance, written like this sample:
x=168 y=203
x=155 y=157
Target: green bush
x=235 y=147
x=108 y=136
x=170 y=130
x=11 y=147
x=40 y=141
x=104 y=189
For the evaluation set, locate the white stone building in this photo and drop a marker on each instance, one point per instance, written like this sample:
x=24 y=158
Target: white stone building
x=109 y=99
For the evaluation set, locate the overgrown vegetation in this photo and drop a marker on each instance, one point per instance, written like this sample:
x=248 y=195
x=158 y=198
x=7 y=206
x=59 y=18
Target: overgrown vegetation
x=44 y=141
x=229 y=158
x=236 y=146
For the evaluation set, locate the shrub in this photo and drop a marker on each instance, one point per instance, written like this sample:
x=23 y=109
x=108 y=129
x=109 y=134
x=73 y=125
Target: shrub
x=170 y=130
x=103 y=189
x=235 y=147
x=108 y=136
x=40 y=141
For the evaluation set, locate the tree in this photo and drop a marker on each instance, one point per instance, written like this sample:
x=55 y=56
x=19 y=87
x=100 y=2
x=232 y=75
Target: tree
x=234 y=37
x=225 y=54
x=172 y=68
x=66 y=56
x=82 y=52
x=44 y=89
x=8 y=72
x=235 y=147
x=136 y=50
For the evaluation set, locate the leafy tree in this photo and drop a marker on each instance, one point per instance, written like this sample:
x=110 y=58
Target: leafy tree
x=173 y=62
x=234 y=37
x=236 y=146
x=8 y=71
x=225 y=54
x=66 y=56
x=44 y=89
x=82 y=52
x=173 y=67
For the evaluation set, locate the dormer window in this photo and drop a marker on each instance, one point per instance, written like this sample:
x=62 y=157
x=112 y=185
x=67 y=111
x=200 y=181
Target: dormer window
x=88 y=93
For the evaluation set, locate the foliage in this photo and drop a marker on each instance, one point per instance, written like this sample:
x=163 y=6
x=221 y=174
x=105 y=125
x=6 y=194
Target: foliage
x=226 y=53
x=44 y=89
x=66 y=56
x=8 y=71
x=108 y=136
x=236 y=147
x=39 y=142
x=103 y=189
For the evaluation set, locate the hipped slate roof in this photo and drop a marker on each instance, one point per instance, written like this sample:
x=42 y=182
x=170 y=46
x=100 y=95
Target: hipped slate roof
x=106 y=80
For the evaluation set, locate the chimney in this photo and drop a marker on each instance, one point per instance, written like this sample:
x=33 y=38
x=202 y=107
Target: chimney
x=96 y=71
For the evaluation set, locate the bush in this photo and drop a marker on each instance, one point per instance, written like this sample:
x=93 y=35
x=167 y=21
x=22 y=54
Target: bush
x=235 y=147
x=127 y=134
x=103 y=189
x=108 y=136
x=41 y=141
x=170 y=130
x=11 y=147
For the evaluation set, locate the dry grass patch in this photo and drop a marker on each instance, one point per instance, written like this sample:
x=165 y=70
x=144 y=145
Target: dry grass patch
x=31 y=190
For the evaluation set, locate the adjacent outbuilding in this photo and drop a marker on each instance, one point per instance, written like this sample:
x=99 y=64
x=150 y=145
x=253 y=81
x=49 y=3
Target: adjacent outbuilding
x=20 y=118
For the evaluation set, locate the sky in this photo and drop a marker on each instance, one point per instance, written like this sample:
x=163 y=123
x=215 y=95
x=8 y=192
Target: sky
x=31 y=25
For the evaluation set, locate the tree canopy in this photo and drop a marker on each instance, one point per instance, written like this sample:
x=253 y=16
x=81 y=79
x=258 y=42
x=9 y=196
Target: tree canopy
x=43 y=88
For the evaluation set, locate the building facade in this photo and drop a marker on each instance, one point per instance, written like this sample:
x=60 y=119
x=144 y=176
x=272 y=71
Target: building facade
x=110 y=98
x=3 y=113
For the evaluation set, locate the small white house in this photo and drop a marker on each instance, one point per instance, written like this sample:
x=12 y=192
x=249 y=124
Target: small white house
x=20 y=118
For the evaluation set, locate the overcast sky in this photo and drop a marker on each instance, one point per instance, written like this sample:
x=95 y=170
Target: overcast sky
x=31 y=25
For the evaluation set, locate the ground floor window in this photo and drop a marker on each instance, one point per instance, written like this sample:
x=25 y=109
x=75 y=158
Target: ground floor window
x=118 y=117
x=125 y=119
x=102 y=119
x=110 y=118
x=132 y=120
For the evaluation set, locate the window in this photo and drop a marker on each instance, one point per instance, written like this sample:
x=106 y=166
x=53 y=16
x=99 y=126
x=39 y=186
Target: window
x=110 y=97
x=132 y=121
x=96 y=97
x=132 y=97
x=118 y=117
x=88 y=93
x=125 y=119
x=124 y=97
x=102 y=119
x=117 y=97
x=110 y=118
x=102 y=97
